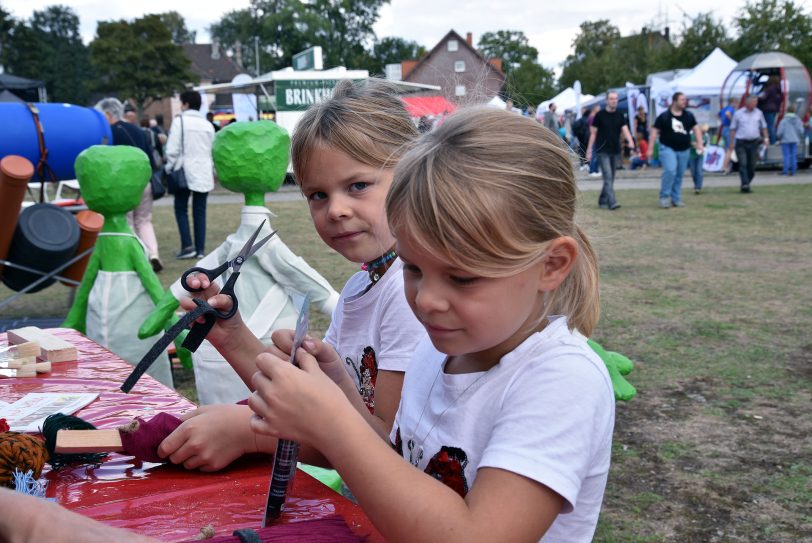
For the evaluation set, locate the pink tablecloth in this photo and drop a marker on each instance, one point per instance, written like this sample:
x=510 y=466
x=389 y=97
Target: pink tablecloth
x=163 y=500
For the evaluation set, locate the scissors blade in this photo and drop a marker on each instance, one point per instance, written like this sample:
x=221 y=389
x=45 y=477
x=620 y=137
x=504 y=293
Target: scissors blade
x=245 y=252
x=260 y=243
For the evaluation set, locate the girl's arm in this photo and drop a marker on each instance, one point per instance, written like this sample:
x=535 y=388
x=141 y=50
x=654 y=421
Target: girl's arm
x=403 y=503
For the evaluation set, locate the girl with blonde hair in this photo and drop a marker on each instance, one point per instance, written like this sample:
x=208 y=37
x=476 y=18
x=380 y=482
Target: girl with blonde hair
x=343 y=152
x=505 y=409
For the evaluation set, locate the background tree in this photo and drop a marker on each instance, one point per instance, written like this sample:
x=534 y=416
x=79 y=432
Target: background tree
x=391 y=50
x=700 y=35
x=593 y=61
x=138 y=60
x=176 y=25
x=7 y=23
x=49 y=48
x=526 y=81
x=602 y=59
x=285 y=27
x=774 y=25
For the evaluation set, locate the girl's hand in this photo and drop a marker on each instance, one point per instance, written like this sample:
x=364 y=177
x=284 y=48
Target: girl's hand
x=210 y=438
x=224 y=329
x=329 y=360
x=293 y=403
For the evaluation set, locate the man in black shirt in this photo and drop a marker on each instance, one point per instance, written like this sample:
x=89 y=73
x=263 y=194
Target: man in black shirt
x=673 y=127
x=604 y=137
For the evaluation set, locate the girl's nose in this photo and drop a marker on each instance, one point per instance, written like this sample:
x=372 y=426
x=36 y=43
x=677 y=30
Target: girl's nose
x=339 y=208
x=429 y=298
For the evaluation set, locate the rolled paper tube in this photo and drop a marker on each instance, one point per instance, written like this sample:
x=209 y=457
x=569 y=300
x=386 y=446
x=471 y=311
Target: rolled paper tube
x=90 y=224
x=15 y=171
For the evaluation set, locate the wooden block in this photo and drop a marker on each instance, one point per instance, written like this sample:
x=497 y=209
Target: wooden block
x=25 y=371
x=18 y=362
x=29 y=348
x=88 y=441
x=52 y=348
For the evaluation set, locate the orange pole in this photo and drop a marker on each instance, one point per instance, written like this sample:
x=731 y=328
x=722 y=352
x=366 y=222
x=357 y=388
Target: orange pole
x=90 y=223
x=15 y=172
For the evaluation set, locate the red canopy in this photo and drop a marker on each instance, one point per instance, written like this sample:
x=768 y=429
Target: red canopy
x=417 y=106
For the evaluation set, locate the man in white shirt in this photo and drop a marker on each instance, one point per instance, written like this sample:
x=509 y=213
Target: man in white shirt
x=748 y=130
x=189 y=147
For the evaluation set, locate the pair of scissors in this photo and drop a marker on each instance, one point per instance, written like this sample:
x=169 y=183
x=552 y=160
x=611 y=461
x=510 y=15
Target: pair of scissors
x=228 y=289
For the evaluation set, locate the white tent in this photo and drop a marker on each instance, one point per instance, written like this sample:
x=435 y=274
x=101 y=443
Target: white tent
x=707 y=77
x=564 y=100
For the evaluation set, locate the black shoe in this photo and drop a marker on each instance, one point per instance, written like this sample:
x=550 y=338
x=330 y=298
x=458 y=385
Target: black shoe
x=746 y=189
x=614 y=206
x=156 y=264
x=200 y=255
x=186 y=254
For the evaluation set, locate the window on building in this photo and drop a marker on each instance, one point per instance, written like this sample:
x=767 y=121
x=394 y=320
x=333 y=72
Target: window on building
x=453 y=45
x=459 y=65
x=459 y=90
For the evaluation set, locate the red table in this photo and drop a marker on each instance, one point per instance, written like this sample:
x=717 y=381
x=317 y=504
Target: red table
x=162 y=500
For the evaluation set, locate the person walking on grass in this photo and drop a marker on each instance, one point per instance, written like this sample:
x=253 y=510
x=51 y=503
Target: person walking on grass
x=189 y=148
x=790 y=133
x=604 y=137
x=747 y=131
x=673 y=127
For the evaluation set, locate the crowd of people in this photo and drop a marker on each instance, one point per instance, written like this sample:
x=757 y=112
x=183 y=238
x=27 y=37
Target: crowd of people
x=186 y=147
x=675 y=141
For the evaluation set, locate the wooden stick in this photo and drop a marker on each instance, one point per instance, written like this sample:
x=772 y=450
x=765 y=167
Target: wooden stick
x=88 y=441
x=52 y=348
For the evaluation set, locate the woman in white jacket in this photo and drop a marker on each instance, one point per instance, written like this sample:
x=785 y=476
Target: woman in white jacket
x=189 y=147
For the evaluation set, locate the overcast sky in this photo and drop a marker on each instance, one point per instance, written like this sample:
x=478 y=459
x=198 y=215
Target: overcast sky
x=550 y=26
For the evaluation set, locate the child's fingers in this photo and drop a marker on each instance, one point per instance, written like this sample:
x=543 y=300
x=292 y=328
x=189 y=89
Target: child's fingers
x=307 y=362
x=221 y=301
x=283 y=340
x=171 y=443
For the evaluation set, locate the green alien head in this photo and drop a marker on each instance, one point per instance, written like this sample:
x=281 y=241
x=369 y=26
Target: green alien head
x=112 y=179
x=252 y=158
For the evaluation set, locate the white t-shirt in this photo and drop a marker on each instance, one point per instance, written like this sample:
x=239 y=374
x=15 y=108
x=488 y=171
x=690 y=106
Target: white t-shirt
x=374 y=330
x=545 y=412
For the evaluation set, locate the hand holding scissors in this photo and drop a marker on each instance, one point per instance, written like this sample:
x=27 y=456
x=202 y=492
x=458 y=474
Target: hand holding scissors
x=228 y=289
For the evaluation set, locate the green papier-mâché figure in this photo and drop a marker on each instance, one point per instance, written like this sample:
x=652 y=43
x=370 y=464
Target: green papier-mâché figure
x=119 y=288
x=250 y=158
x=617 y=365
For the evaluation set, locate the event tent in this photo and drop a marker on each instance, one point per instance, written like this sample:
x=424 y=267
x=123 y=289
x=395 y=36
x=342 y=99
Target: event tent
x=707 y=77
x=564 y=100
x=30 y=90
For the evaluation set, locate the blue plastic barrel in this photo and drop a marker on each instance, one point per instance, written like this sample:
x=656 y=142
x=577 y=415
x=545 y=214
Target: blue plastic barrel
x=67 y=130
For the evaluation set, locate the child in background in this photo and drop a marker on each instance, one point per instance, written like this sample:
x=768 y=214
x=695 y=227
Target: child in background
x=696 y=161
x=505 y=410
x=343 y=152
x=639 y=158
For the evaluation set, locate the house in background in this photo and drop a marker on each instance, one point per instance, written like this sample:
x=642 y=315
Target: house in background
x=463 y=73
x=212 y=66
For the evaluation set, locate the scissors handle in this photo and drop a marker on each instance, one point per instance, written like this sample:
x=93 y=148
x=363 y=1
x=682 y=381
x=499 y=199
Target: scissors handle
x=228 y=290
x=211 y=274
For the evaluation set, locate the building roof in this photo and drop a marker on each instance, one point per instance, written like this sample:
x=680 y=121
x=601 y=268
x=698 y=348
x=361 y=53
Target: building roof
x=452 y=35
x=210 y=63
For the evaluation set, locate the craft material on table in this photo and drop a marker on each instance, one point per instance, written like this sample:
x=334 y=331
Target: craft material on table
x=200 y=330
x=28 y=413
x=52 y=348
x=287 y=451
x=23 y=350
x=164 y=501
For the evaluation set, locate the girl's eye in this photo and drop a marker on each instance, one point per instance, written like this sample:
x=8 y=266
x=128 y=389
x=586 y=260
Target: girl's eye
x=359 y=185
x=463 y=280
x=411 y=268
x=315 y=196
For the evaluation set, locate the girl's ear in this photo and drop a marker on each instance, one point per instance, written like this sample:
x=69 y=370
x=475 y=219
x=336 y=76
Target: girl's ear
x=557 y=263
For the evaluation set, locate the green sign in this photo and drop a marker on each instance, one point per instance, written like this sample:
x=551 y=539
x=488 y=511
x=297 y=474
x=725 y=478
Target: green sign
x=298 y=95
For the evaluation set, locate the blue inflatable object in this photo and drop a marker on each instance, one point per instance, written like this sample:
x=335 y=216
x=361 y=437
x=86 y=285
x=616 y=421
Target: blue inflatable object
x=66 y=130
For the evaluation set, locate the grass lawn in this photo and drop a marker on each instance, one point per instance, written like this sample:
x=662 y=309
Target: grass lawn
x=713 y=302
